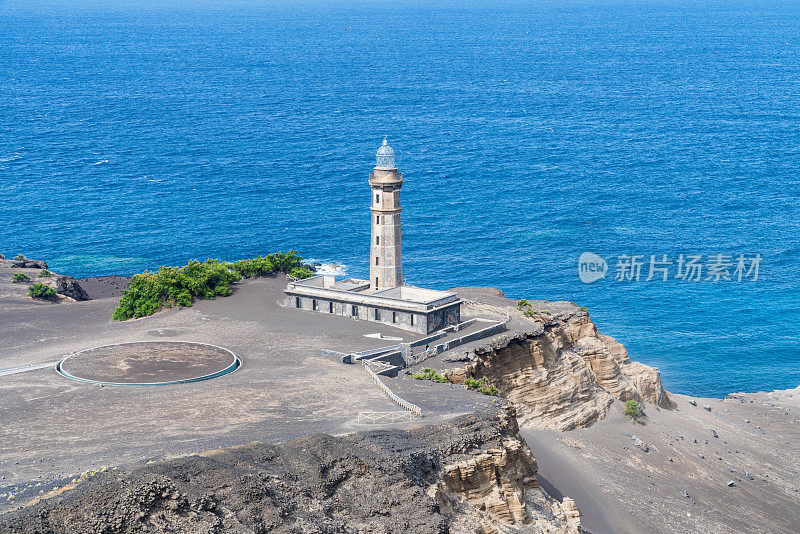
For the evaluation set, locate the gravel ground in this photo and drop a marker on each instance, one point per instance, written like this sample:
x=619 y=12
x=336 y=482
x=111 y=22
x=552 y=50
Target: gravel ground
x=55 y=428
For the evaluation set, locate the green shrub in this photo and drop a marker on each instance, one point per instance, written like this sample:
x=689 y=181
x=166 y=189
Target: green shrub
x=180 y=286
x=634 y=411
x=21 y=277
x=287 y=262
x=41 y=291
x=301 y=272
x=481 y=386
x=429 y=374
x=527 y=309
x=20 y=257
x=260 y=266
x=44 y=273
x=170 y=286
x=2 y=256
x=583 y=309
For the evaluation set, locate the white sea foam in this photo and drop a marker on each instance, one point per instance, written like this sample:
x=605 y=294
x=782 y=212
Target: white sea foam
x=328 y=268
x=12 y=157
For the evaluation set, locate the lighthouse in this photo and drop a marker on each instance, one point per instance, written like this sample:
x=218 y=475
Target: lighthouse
x=384 y=298
x=386 y=259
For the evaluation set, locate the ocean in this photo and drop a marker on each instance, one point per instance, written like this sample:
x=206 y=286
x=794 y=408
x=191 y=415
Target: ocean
x=134 y=135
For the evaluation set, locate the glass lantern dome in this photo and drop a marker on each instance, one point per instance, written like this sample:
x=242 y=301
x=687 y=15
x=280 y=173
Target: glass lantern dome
x=385 y=156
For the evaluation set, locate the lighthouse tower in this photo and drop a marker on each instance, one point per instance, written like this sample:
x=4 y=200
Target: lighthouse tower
x=386 y=260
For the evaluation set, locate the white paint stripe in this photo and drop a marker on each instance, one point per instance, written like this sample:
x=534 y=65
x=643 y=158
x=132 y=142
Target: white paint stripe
x=23 y=368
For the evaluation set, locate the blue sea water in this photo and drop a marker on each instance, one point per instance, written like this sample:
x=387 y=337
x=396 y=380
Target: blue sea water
x=134 y=135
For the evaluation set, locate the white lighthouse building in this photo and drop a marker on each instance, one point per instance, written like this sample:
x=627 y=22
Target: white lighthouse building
x=383 y=298
x=386 y=265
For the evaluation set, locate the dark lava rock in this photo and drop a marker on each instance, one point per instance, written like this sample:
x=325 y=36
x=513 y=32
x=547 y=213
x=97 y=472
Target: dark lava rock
x=67 y=286
x=456 y=359
x=28 y=264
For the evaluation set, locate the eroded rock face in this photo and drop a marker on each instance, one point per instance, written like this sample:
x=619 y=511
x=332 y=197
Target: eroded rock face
x=562 y=374
x=645 y=379
x=495 y=480
x=501 y=487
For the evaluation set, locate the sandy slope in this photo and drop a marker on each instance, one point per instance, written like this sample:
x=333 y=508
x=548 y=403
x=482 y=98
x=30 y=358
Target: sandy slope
x=619 y=487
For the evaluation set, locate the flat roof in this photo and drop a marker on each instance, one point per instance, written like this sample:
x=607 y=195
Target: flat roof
x=350 y=284
x=358 y=291
x=414 y=294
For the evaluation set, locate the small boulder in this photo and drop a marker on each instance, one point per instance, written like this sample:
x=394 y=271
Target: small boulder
x=707 y=408
x=731 y=483
x=67 y=286
x=693 y=402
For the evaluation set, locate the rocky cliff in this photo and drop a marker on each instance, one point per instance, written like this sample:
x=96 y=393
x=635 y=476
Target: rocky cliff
x=472 y=474
x=560 y=372
x=14 y=293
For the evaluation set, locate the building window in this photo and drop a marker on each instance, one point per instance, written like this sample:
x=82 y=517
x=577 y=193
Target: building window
x=297 y=302
x=376 y=282
x=330 y=307
x=412 y=319
x=377 y=314
x=377 y=219
x=376 y=260
x=314 y=304
x=377 y=199
x=355 y=311
x=377 y=240
x=394 y=317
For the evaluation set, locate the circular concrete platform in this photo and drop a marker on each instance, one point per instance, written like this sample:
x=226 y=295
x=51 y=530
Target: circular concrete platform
x=149 y=363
